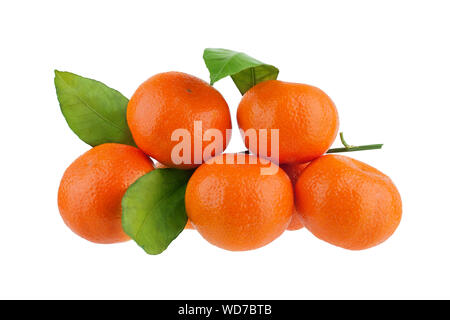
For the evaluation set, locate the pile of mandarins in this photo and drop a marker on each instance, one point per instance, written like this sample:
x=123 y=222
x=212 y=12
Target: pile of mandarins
x=231 y=203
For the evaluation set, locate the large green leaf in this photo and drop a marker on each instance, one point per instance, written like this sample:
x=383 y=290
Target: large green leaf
x=153 y=211
x=243 y=69
x=94 y=111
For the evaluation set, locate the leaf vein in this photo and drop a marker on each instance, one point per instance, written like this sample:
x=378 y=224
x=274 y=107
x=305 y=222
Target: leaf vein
x=74 y=93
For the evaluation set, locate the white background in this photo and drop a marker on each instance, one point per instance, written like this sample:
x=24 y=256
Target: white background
x=384 y=63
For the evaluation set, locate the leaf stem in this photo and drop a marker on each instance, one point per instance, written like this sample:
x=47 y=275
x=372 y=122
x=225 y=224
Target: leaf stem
x=357 y=148
x=351 y=148
x=346 y=145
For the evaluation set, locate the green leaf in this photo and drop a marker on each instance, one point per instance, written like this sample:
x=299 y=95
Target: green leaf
x=94 y=111
x=243 y=69
x=153 y=211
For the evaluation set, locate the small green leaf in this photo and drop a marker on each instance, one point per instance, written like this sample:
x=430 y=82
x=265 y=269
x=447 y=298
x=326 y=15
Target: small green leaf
x=153 y=211
x=243 y=69
x=94 y=111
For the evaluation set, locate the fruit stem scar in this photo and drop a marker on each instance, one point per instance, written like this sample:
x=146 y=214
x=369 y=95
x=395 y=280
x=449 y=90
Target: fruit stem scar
x=350 y=148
